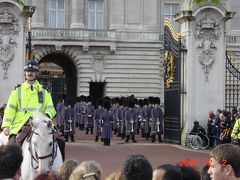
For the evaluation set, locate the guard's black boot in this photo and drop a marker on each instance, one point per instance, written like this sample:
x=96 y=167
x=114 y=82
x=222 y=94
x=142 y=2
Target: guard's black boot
x=153 y=138
x=96 y=139
x=72 y=138
x=66 y=137
x=133 y=139
x=159 y=138
x=127 y=138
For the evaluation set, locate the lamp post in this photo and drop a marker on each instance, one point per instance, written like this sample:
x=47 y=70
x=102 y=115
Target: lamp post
x=28 y=12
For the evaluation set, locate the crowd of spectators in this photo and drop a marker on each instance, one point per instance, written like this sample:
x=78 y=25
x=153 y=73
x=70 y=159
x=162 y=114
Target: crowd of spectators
x=225 y=163
x=223 y=127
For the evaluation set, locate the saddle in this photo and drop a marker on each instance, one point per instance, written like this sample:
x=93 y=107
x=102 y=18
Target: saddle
x=25 y=131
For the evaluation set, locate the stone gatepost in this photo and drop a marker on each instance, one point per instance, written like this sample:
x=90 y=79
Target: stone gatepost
x=203 y=68
x=13 y=23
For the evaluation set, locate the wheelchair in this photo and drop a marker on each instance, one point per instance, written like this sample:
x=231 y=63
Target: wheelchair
x=194 y=141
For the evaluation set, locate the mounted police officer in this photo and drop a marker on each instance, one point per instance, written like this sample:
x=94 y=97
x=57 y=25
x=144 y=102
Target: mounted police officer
x=24 y=100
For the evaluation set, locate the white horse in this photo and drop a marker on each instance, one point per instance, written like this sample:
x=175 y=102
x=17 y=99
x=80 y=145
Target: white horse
x=40 y=149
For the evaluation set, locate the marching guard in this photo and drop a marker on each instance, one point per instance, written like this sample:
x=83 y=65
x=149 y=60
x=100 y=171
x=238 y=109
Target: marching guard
x=130 y=122
x=59 y=119
x=82 y=112
x=107 y=119
x=89 y=115
x=157 y=117
x=69 y=124
x=97 y=119
x=145 y=119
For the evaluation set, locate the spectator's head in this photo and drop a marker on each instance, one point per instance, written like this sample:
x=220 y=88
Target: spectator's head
x=87 y=170
x=225 y=162
x=204 y=173
x=136 y=166
x=167 y=172
x=10 y=161
x=66 y=169
x=189 y=173
x=218 y=112
x=196 y=123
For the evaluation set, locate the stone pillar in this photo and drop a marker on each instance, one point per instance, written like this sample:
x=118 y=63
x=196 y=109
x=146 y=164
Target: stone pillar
x=77 y=14
x=12 y=47
x=202 y=30
x=39 y=14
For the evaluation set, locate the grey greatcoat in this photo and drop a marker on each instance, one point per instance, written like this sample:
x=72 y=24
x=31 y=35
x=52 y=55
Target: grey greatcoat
x=157 y=117
x=121 y=113
x=97 y=121
x=89 y=116
x=60 y=108
x=82 y=110
x=107 y=119
x=130 y=122
x=145 y=114
x=77 y=112
x=69 y=127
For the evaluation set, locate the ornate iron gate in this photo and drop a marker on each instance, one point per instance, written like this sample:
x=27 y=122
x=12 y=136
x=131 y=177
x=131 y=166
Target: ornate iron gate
x=54 y=83
x=172 y=98
x=232 y=85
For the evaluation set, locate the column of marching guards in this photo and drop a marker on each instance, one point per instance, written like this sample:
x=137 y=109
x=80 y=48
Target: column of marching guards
x=124 y=117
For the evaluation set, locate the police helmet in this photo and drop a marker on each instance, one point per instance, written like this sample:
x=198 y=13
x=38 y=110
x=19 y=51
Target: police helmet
x=31 y=65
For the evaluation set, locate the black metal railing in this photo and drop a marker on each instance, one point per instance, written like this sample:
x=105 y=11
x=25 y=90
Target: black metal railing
x=232 y=85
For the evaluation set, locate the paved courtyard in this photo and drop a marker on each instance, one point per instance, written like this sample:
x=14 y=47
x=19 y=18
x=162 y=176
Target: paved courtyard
x=112 y=157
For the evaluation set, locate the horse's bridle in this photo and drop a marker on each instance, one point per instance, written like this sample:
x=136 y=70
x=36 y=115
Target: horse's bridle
x=53 y=154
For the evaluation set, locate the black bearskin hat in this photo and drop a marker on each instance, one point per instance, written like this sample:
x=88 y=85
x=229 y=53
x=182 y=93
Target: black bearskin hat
x=107 y=105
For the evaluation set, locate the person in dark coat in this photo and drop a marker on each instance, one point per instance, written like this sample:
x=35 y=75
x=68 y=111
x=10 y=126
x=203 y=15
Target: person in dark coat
x=89 y=115
x=130 y=122
x=97 y=119
x=59 y=119
x=76 y=111
x=137 y=110
x=107 y=119
x=211 y=128
x=82 y=111
x=157 y=117
x=113 y=110
x=123 y=112
x=119 y=117
x=69 y=124
x=217 y=127
x=145 y=119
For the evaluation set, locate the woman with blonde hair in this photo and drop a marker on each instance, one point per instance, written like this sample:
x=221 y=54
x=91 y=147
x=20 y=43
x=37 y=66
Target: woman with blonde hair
x=87 y=170
x=66 y=169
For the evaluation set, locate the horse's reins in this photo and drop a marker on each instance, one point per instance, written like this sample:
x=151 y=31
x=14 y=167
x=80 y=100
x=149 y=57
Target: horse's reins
x=53 y=154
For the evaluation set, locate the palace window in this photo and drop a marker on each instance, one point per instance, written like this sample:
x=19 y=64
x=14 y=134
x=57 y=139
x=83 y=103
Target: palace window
x=169 y=10
x=95 y=14
x=56 y=13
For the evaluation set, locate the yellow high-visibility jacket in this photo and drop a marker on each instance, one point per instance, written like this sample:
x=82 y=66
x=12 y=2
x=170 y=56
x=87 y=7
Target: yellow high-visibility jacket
x=23 y=102
x=236 y=130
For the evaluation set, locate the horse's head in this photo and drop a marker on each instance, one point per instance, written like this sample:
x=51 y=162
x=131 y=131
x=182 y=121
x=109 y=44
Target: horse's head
x=42 y=142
